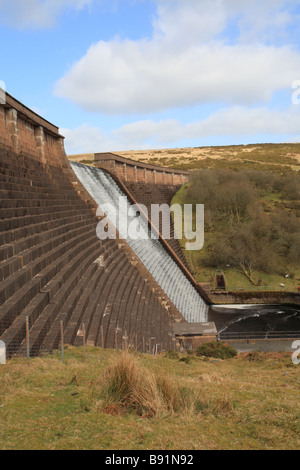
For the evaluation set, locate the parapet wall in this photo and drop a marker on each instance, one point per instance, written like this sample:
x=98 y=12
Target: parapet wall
x=128 y=170
x=25 y=132
x=258 y=297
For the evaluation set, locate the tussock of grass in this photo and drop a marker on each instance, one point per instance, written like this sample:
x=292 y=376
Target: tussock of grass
x=129 y=387
x=133 y=388
x=223 y=406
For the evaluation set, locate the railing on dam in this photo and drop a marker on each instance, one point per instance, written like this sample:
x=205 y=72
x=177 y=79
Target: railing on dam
x=132 y=171
x=258 y=335
x=104 y=190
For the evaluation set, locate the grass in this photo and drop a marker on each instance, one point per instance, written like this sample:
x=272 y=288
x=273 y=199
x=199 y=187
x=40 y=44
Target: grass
x=278 y=157
x=240 y=403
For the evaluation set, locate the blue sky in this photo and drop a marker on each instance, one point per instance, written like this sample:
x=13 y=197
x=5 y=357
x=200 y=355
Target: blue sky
x=136 y=74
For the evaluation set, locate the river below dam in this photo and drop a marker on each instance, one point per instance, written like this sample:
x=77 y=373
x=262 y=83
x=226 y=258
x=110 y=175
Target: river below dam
x=262 y=322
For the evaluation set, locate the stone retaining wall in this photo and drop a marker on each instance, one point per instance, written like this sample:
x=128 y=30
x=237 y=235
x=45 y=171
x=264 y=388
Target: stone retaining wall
x=128 y=170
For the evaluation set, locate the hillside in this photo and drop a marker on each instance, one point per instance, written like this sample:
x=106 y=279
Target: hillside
x=276 y=156
x=252 y=228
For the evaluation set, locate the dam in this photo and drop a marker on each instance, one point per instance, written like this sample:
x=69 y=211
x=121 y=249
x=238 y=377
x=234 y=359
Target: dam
x=56 y=275
x=58 y=279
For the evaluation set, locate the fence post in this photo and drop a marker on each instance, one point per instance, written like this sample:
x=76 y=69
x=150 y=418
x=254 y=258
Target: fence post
x=116 y=339
x=62 y=341
x=2 y=353
x=102 y=341
x=27 y=339
x=84 y=339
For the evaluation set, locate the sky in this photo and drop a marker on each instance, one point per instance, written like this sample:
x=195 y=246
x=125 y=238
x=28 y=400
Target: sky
x=119 y=75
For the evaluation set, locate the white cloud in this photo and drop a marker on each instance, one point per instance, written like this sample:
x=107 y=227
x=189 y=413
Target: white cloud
x=36 y=13
x=186 y=22
x=140 y=78
x=234 y=121
x=186 y=62
x=84 y=139
x=239 y=121
x=269 y=20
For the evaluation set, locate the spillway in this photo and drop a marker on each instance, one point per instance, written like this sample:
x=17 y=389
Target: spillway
x=104 y=190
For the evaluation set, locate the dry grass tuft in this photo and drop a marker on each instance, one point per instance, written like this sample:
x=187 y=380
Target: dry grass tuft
x=211 y=378
x=223 y=406
x=133 y=388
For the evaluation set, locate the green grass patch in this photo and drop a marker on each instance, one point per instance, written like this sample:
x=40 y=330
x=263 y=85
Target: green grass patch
x=239 y=403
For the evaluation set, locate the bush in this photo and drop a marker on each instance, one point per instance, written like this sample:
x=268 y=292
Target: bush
x=217 y=350
x=186 y=359
x=172 y=355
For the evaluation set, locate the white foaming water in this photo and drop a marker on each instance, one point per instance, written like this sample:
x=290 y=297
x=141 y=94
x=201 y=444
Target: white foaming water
x=238 y=306
x=151 y=253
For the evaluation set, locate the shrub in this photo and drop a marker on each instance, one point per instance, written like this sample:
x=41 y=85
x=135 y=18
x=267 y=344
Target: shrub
x=216 y=350
x=172 y=354
x=186 y=359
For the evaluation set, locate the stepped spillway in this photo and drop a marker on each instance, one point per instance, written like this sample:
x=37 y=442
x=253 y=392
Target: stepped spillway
x=104 y=190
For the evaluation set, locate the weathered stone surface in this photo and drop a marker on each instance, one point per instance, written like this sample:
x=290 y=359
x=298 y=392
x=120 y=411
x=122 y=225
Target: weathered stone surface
x=48 y=249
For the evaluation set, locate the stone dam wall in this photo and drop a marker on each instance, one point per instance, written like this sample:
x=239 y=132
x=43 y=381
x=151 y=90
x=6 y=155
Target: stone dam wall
x=54 y=272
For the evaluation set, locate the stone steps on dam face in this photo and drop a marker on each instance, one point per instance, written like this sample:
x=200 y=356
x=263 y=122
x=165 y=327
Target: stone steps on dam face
x=66 y=287
x=27 y=230
x=53 y=267
x=38 y=259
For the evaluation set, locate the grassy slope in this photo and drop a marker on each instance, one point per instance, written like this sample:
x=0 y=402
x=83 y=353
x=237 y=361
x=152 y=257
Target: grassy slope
x=276 y=156
x=234 y=279
x=246 y=405
x=281 y=158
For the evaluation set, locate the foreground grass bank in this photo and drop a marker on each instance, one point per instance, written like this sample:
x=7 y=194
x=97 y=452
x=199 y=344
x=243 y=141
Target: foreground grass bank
x=243 y=403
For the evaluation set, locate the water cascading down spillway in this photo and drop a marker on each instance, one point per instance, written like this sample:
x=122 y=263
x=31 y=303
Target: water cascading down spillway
x=156 y=259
